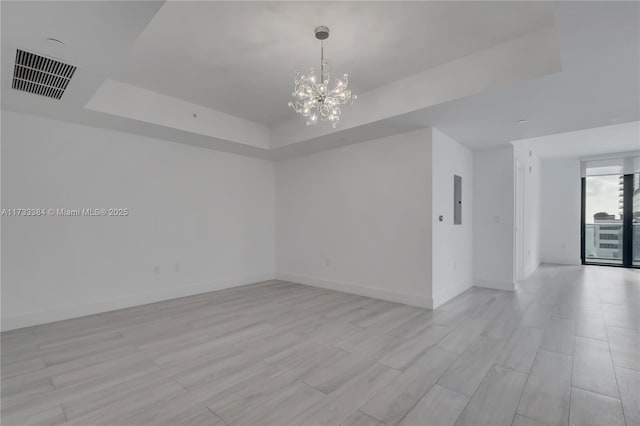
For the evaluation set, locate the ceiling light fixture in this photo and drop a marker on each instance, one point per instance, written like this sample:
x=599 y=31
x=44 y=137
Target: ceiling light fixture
x=522 y=121
x=312 y=97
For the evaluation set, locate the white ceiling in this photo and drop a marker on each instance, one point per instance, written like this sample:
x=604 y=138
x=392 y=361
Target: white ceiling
x=599 y=84
x=239 y=58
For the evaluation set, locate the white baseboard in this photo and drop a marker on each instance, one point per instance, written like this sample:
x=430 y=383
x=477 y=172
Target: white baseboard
x=376 y=293
x=496 y=285
x=43 y=317
x=557 y=261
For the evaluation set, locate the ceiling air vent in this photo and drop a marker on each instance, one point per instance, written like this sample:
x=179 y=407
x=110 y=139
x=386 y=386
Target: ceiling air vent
x=40 y=75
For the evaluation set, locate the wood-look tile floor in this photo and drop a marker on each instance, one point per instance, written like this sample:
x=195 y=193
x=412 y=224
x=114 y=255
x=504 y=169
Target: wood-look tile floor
x=562 y=349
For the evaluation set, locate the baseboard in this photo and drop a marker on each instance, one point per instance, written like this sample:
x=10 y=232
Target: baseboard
x=43 y=317
x=376 y=293
x=496 y=285
x=573 y=262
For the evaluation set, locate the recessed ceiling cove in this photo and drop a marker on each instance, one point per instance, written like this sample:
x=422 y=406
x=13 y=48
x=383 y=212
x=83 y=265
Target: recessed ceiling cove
x=238 y=57
x=219 y=74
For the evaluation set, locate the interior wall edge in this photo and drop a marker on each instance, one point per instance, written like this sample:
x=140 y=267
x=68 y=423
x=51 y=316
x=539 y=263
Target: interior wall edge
x=43 y=317
x=531 y=269
x=458 y=290
x=496 y=285
x=377 y=293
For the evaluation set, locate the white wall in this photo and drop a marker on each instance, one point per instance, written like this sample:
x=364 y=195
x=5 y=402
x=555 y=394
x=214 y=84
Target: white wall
x=560 y=224
x=452 y=244
x=204 y=218
x=493 y=214
x=525 y=154
x=357 y=218
x=361 y=218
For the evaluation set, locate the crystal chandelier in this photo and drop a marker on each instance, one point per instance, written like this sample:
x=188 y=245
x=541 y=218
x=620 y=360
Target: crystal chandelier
x=312 y=97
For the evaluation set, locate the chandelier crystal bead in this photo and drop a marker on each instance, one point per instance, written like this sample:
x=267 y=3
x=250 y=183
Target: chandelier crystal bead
x=312 y=96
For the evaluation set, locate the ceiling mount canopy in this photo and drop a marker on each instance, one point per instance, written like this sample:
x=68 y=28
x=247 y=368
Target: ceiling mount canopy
x=312 y=97
x=322 y=32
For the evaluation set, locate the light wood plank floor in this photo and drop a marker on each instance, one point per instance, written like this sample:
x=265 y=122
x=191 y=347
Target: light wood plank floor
x=563 y=349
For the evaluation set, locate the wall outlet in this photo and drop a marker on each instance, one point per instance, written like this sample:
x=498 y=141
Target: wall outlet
x=327 y=262
x=156 y=269
x=455 y=265
x=176 y=267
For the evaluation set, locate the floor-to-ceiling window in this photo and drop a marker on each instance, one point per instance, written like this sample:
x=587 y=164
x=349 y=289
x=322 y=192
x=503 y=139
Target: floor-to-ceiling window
x=603 y=236
x=611 y=212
